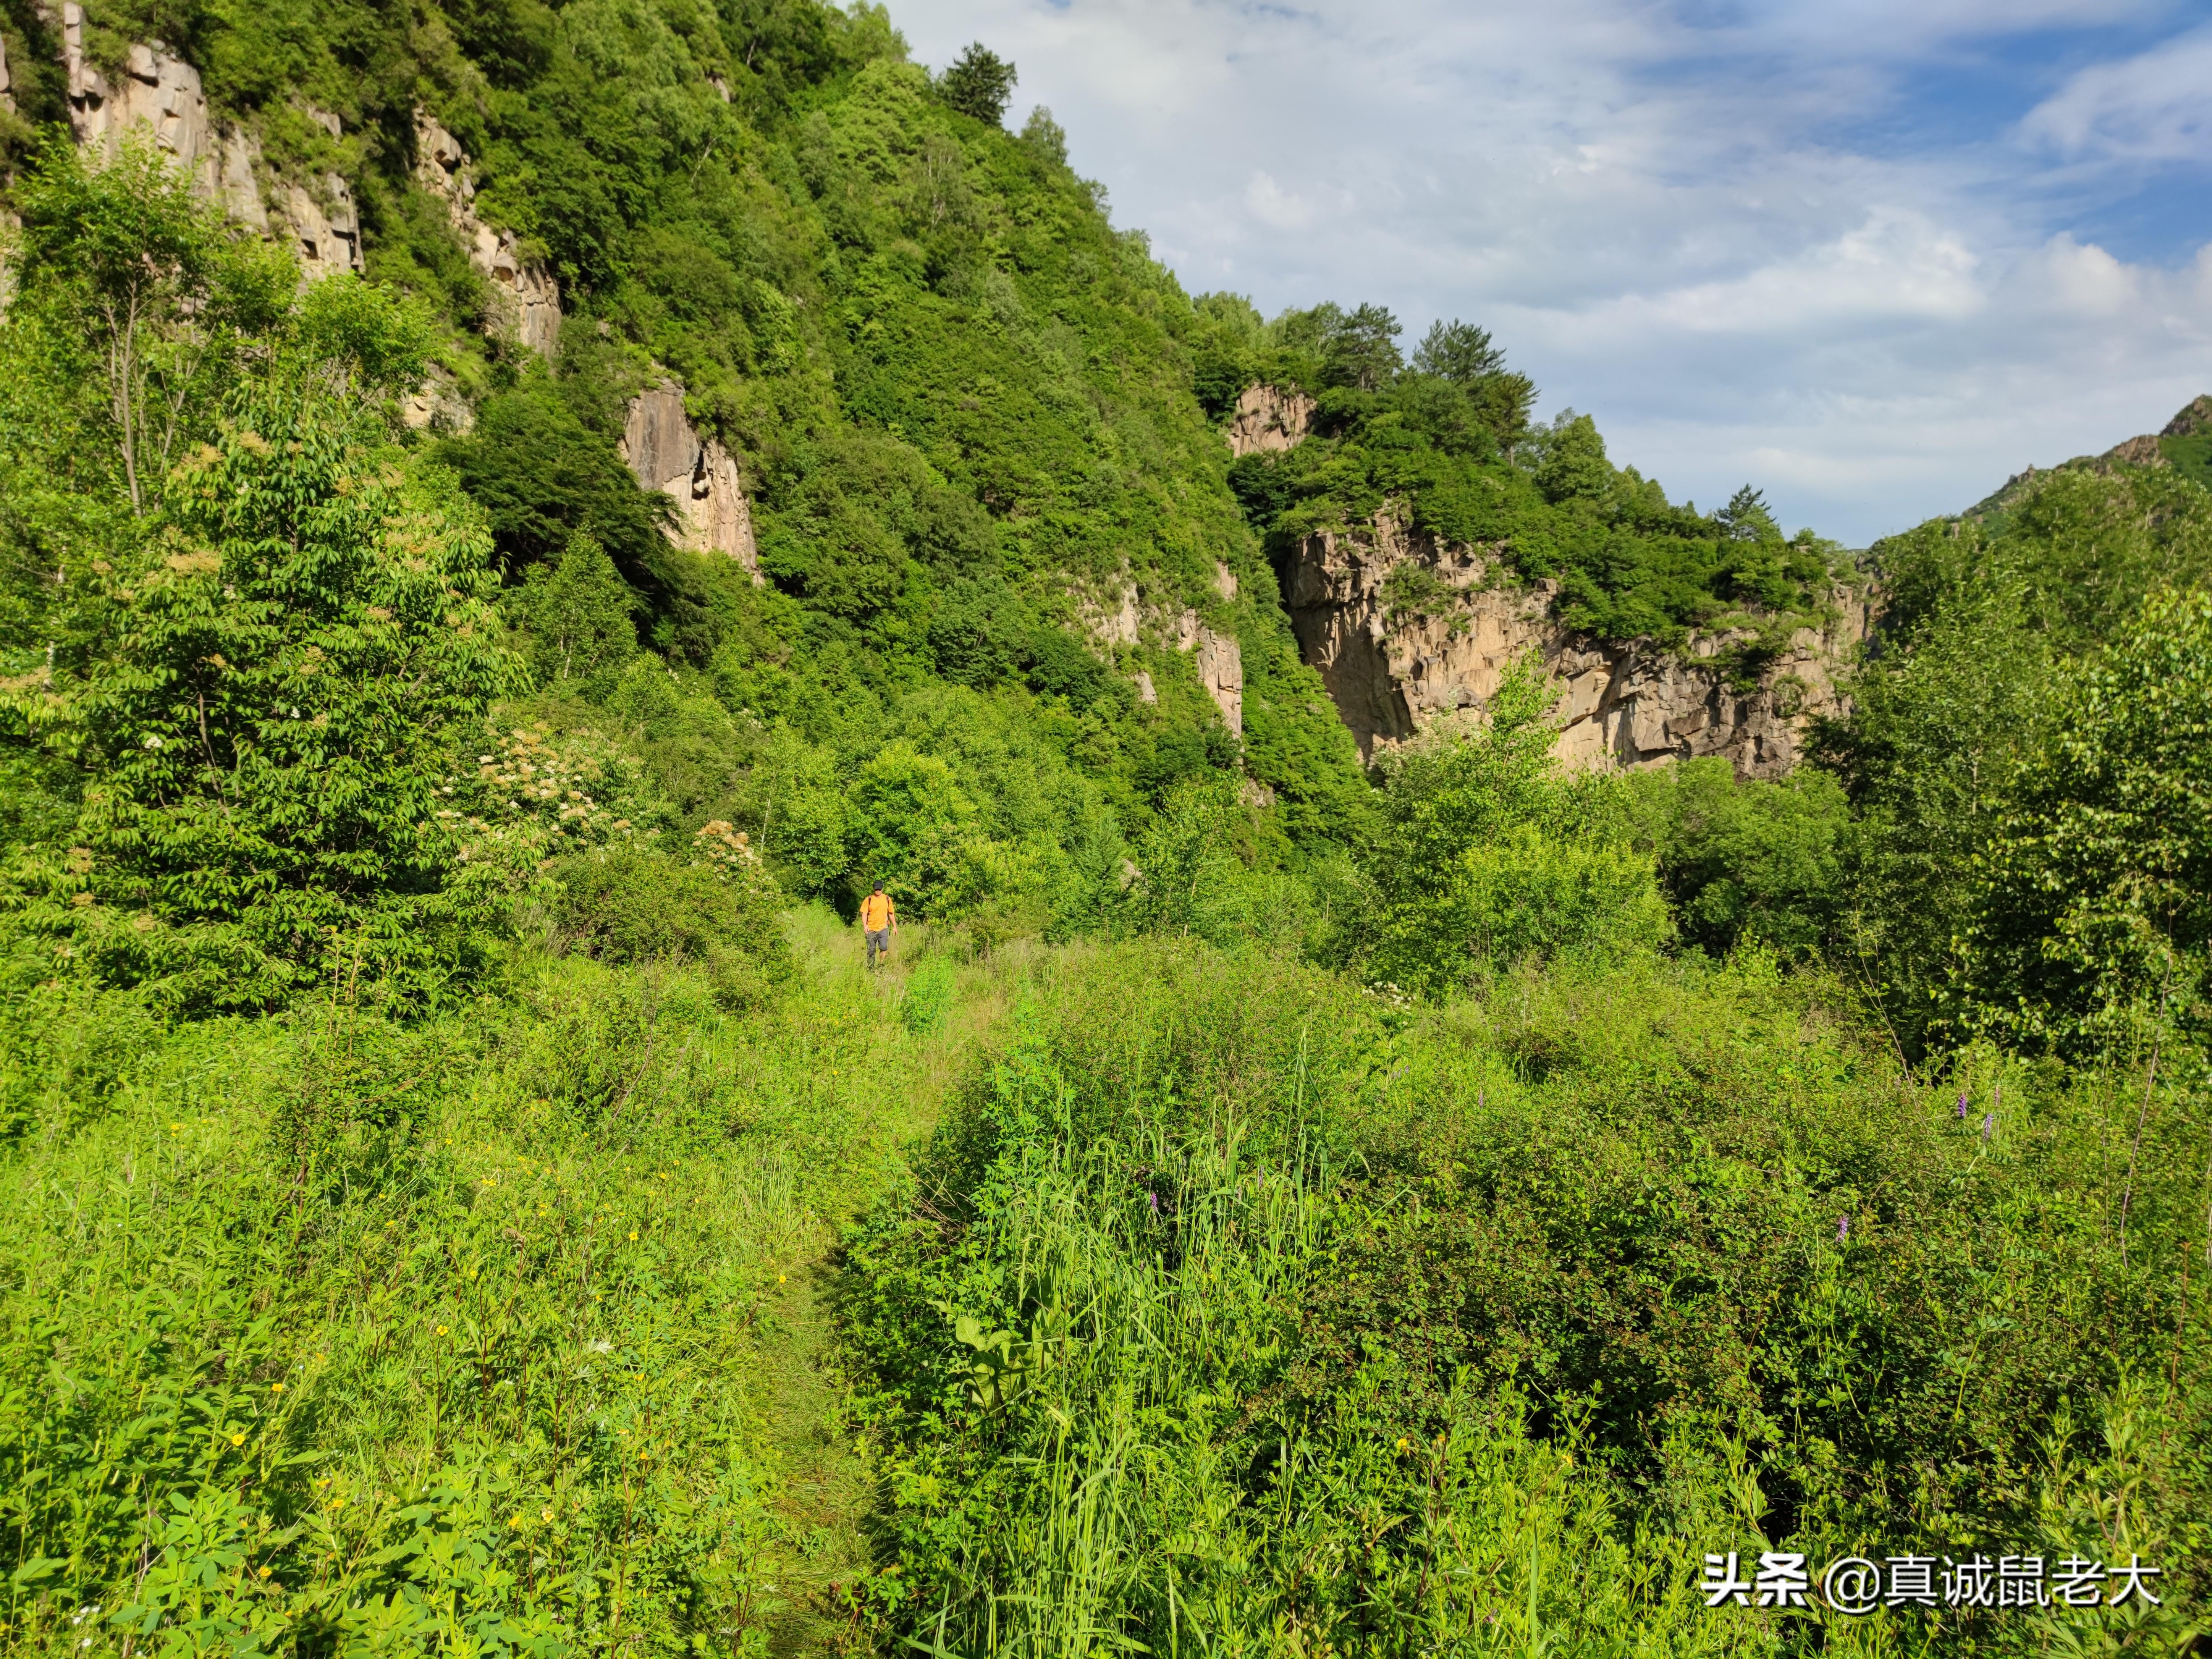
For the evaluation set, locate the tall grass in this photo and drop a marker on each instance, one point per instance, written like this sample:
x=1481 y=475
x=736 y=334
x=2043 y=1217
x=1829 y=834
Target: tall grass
x=324 y=1333
x=1237 y=1311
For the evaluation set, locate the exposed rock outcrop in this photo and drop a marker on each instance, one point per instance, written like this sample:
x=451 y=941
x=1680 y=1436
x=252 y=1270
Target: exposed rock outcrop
x=525 y=297
x=7 y=85
x=1269 y=418
x=1219 y=659
x=326 y=230
x=1221 y=672
x=1393 y=672
x=664 y=452
x=162 y=92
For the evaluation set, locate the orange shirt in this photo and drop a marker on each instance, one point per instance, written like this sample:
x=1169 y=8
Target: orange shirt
x=876 y=912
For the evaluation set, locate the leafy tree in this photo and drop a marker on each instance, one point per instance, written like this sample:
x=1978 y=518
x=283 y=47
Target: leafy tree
x=1046 y=138
x=1574 y=467
x=1458 y=352
x=1754 y=862
x=581 y=618
x=159 y=302
x=266 y=728
x=979 y=83
x=1361 y=350
x=2093 y=912
x=1488 y=856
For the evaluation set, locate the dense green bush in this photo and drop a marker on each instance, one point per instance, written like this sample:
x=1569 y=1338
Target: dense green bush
x=1489 y=855
x=1744 y=863
x=629 y=903
x=1235 y=1301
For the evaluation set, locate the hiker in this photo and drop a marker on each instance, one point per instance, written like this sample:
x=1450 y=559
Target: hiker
x=878 y=921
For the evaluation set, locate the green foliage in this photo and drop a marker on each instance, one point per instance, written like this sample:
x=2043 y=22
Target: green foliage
x=635 y=904
x=2092 y=900
x=1508 y=1312
x=146 y=303
x=978 y=84
x=579 y=615
x=1488 y=856
x=1959 y=757
x=1744 y=863
x=1452 y=455
x=260 y=709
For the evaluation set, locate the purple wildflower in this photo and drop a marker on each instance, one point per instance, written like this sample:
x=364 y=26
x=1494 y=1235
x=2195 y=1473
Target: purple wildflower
x=1988 y=1124
x=1843 y=1228
x=1153 y=1198
x=1962 y=1105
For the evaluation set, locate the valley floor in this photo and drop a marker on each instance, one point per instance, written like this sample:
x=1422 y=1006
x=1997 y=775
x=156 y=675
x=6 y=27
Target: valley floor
x=1053 y=1298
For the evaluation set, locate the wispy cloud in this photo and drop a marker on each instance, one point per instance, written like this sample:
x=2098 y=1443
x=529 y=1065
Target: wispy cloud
x=1722 y=228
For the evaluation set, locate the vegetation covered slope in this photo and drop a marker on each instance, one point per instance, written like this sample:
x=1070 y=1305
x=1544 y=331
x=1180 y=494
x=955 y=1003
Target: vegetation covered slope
x=464 y=1194
x=1445 y=442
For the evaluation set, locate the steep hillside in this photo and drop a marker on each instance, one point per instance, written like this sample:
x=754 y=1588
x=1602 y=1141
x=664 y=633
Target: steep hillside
x=1425 y=535
x=2182 y=445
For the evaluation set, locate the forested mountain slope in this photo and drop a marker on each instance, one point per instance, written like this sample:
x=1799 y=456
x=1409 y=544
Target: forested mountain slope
x=512 y=517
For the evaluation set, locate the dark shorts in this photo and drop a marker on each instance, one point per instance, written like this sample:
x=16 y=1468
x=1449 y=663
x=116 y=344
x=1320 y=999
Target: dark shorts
x=879 y=939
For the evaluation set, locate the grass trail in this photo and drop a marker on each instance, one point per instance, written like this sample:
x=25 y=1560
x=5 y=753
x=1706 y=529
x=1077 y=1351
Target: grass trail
x=826 y=1488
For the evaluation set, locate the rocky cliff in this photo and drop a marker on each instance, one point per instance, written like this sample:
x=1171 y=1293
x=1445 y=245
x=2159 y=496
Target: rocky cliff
x=160 y=92
x=526 y=300
x=1269 y=418
x=1219 y=659
x=1393 y=670
x=664 y=452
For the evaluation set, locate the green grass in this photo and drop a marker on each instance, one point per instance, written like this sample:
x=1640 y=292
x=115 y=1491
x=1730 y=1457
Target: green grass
x=1135 y=1293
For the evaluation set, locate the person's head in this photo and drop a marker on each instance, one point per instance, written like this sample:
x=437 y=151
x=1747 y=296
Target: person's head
x=879 y=887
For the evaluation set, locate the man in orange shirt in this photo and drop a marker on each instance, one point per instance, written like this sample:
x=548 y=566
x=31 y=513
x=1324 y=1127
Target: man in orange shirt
x=878 y=921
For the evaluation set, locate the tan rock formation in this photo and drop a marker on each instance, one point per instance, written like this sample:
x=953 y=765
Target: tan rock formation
x=1221 y=672
x=665 y=452
x=527 y=298
x=162 y=92
x=437 y=405
x=7 y=85
x=1393 y=674
x=326 y=229
x=1268 y=419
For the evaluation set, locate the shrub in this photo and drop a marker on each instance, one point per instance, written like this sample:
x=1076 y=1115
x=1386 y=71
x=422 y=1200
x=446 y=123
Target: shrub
x=631 y=904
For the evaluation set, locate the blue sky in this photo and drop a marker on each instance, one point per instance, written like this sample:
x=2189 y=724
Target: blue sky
x=1874 y=256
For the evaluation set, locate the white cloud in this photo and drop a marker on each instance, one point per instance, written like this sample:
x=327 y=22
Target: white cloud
x=1678 y=227
x=2156 y=107
x=1273 y=205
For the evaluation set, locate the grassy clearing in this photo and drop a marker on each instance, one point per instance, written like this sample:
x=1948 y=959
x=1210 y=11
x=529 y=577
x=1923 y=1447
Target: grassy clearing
x=1073 y=1297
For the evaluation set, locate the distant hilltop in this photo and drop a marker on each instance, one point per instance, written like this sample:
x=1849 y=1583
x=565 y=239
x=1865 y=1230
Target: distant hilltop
x=2184 y=443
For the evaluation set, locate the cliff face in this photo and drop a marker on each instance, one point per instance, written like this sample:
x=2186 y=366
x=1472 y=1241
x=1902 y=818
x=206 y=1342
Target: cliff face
x=161 y=94
x=1267 y=418
x=665 y=452
x=1392 y=671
